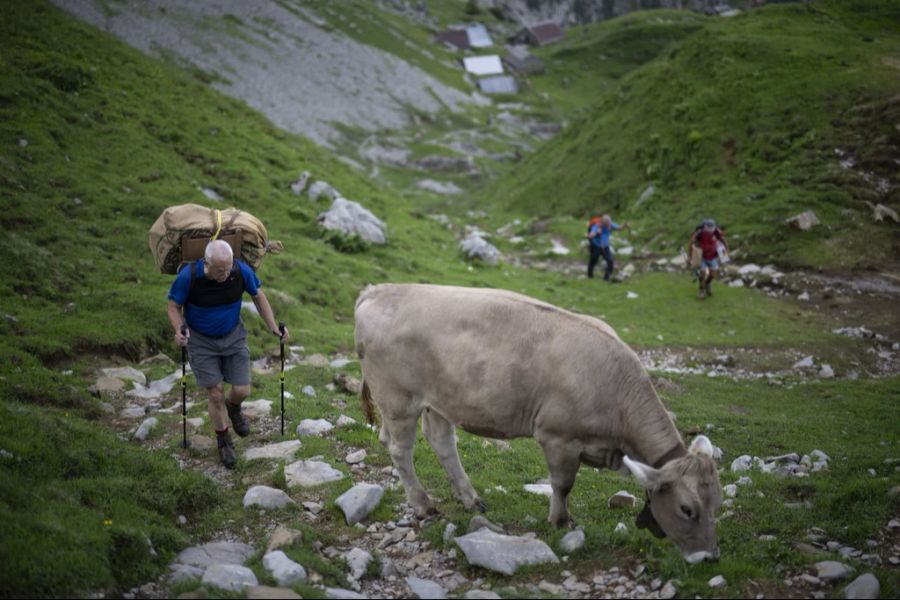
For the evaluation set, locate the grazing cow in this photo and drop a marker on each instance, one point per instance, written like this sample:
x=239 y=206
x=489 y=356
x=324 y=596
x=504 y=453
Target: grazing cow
x=503 y=365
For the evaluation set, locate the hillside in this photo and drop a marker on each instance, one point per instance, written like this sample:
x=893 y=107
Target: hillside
x=98 y=138
x=752 y=119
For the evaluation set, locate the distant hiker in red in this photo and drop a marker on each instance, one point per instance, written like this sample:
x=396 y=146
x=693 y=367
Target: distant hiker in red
x=206 y=298
x=708 y=242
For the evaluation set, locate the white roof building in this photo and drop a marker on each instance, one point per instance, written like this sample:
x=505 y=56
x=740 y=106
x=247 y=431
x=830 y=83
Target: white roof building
x=483 y=65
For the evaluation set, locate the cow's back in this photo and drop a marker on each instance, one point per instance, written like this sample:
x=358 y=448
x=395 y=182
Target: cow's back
x=491 y=361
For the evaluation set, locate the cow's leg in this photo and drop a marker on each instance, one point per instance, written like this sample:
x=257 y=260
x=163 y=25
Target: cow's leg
x=563 y=460
x=401 y=434
x=441 y=434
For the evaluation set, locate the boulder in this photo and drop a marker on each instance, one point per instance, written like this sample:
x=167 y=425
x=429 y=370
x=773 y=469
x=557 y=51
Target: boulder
x=266 y=497
x=308 y=473
x=314 y=427
x=359 y=501
x=278 y=451
x=804 y=221
x=352 y=218
x=285 y=571
x=213 y=553
x=504 y=553
x=231 y=578
x=476 y=247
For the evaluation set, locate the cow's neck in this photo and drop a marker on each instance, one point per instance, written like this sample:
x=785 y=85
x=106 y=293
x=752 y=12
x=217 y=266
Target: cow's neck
x=649 y=434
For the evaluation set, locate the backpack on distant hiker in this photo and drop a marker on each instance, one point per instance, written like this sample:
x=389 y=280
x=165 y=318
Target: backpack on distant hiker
x=181 y=233
x=593 y=221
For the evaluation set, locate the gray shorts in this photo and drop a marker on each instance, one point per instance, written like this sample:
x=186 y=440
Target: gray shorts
x=214 y=360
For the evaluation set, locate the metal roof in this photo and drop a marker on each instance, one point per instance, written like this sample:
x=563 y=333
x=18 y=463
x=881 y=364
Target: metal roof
x=478 y=36
x=500 y=84
x=483 y=65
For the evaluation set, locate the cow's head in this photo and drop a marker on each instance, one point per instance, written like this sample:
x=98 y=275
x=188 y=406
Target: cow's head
x=682 y=499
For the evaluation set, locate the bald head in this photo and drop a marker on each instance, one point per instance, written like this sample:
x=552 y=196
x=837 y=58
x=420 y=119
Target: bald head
x=219 y=259
x=218 y=251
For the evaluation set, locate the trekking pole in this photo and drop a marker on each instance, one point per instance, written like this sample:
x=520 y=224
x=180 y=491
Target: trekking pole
x=184 y=440
x=281 y=329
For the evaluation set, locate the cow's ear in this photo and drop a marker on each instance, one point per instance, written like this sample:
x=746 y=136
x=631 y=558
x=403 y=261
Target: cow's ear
x=702 y=445
x=646 y=475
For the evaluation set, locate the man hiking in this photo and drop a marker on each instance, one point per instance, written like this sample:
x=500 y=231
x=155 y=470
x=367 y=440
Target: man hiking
x=709 y=241
x=206 y=297
x=599 y=230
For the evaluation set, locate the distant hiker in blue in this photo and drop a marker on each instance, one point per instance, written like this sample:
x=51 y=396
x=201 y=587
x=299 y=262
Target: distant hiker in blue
x=599 y=229
x=206 y=297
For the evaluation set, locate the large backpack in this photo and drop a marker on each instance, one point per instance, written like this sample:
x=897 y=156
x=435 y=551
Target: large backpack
x=181 y=233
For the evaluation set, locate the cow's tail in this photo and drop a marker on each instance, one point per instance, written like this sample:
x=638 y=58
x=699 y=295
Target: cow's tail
x=368 y=407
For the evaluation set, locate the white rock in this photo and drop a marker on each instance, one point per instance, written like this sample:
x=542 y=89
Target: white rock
x=357 y=457
x=572 y=541
x=129 y=373
x=258 y=408
x=266 y=497
x=285 y=571
x=717 y=582
x=314 y=427
x=631 y=295
x=308 y=473
x=321 y=189
x=621 y=528
x=831 y=569
x=826 y=372
x=352 y=218
x=730 y=490
x=425 y=588
x=232 y=578
x=358 y=561
x=309 y=391
x=298 y=186
x=864 y=586
x=476 y=247
x=213 y=553
x=503 y=553
x=449 y=530
x=805 y=363
x=278 y=451
x=543 y=489
x=359 y=501
x=741 y=463
x=345 y=421
x=146 y=427
x=804 y=221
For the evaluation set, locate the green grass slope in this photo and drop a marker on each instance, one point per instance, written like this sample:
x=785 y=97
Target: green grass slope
x=746 y=120
x=97 y=139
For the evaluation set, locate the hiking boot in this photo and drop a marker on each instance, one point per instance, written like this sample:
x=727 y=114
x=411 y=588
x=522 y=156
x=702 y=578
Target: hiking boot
x=709 y=288
x=226 y=448
x=702 y=293
x=238 y=420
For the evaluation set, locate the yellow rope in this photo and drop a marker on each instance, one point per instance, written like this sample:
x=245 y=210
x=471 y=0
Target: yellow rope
x=218 y=225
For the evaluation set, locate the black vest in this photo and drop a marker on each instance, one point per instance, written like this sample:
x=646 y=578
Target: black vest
x=208 y=292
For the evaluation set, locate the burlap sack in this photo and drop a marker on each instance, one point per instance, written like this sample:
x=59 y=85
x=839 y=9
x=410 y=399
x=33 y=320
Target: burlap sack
x=196 y=223
x=696 y=256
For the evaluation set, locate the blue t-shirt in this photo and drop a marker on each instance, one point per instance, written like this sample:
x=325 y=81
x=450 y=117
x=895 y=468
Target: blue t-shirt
x=602 y=240
x=212 y=318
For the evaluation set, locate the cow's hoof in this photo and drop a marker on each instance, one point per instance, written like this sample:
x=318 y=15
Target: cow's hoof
x=564 y=522
x=426 y=511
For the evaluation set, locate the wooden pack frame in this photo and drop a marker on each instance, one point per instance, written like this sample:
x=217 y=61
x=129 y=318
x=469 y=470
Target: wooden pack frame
x=193 y=248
